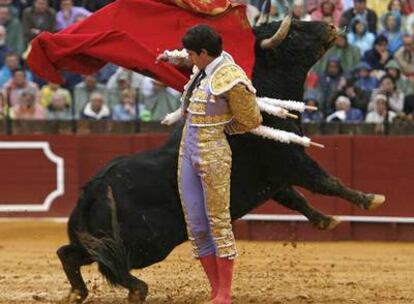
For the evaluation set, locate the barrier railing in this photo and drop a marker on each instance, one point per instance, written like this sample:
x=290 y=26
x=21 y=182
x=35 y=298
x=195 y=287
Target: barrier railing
x=117 y=127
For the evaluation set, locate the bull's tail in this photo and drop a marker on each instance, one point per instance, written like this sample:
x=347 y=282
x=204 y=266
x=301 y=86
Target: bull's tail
x=108 y=251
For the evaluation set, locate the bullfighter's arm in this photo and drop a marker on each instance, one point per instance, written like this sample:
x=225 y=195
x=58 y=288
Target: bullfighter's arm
x=245 y=110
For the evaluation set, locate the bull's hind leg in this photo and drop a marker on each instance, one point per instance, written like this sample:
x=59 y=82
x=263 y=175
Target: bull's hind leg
x=138 y=290
x=73 y=258
x=294 y=200
x=316 y=180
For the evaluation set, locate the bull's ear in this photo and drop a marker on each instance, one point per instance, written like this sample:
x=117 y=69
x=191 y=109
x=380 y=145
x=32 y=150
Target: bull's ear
x=279 y=36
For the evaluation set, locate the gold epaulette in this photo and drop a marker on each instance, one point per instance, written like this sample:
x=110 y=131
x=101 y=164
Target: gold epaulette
x=226 y=77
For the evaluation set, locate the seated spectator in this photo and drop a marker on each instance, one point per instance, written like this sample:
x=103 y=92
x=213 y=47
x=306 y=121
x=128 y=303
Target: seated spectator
x=396 y=7
x=363 y=78
x=392 y=30
x=121 y=80
x=359 y=98
x=11 y=62
x=299 y=11
x=326 y=9
x=38 y=18
x=4 y=49
x=58 y=109
x=27 y=107
x=96 y=108
x=379 y=55
x=405 y=56
x=49 y=90
x=161 y=102
x=14 y=40
x=394 y=96
x=344 y=112
x=380 y=111
x=126 y=109
x=68 y=14
x=275 y=13
x=403 y=83
x=329 y=82
x=17 y=85
x=85 y=89
x=359 y=36
x=349 y=55
x=360 y=8
x=311 y=99
x=312 y=5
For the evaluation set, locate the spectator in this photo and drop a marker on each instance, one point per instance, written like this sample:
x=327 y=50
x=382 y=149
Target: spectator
x=359 y=36
x=329 y=82
x=311 y=99
x=161 y=102
x=360 y=9
x=392 y=27
x=395 y=96
x=359 y=98
x=49 y=90
x=275 y=13
x=379 y=55
x=27 y=107
x=85 y=89
x=349 y=55
x=405 y=56
x=403 y=84
x=96 y=108
x=19 y=84
x=395 y=7
x=126 y=109
x=344 y=112
x=104 y=74
x=380 y=111
x=94 y=5
x=68 y=14
x=15 y=40
x=13 y=9
x=299 y=11
x=121 y=80
x=326 y=9
x=11 y=62
x=4 y=49
x=312 y=5
x=38 y=18
x=363 y=78
x=58 y=109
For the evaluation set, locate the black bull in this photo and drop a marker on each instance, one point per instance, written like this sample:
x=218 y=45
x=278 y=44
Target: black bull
x=129 y=215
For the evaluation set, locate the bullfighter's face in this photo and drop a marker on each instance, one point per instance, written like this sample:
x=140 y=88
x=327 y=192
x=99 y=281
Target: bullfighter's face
x=199 y=60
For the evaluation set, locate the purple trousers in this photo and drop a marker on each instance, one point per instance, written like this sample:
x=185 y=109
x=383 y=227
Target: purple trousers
x=204 y=168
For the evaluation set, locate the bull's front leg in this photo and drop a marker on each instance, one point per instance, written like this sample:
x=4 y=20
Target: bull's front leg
x=294 y=200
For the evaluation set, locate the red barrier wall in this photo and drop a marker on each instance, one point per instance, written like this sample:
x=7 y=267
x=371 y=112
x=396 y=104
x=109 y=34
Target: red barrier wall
x=369 y=163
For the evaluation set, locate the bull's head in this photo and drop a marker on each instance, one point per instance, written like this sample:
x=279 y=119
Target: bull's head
x=285 y=51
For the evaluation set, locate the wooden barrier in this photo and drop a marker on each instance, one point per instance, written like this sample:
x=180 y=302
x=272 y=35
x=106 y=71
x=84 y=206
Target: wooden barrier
x=30 y=181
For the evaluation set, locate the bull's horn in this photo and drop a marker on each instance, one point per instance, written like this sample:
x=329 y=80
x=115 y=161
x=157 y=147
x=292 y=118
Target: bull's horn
x=279 y=36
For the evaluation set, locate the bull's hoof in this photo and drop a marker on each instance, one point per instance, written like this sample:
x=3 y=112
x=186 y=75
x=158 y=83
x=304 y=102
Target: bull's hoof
x=376 y=201
x=138 y=296
x=328 y=223
x=75 y=297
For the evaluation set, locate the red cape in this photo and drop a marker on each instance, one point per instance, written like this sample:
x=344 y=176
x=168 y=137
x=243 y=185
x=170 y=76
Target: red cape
x=131 y=33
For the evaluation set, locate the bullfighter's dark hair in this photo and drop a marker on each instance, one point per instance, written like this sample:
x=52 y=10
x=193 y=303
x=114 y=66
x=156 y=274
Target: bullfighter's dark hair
x=203 y=37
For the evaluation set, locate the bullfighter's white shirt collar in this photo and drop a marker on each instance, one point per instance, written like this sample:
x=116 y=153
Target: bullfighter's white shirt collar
x=212 y=65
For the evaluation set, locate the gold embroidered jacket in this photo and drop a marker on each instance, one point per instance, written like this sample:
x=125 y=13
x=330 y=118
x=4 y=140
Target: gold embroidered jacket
x=225 y=97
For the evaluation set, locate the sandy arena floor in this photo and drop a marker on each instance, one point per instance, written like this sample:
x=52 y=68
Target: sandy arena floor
x=266 y=272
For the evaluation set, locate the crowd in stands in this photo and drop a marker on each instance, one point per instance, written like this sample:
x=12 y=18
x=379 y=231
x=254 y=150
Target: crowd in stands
x=368 y=75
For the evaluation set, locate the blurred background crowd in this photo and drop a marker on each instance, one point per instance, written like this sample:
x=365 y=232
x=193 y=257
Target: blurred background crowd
x=367 y=76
